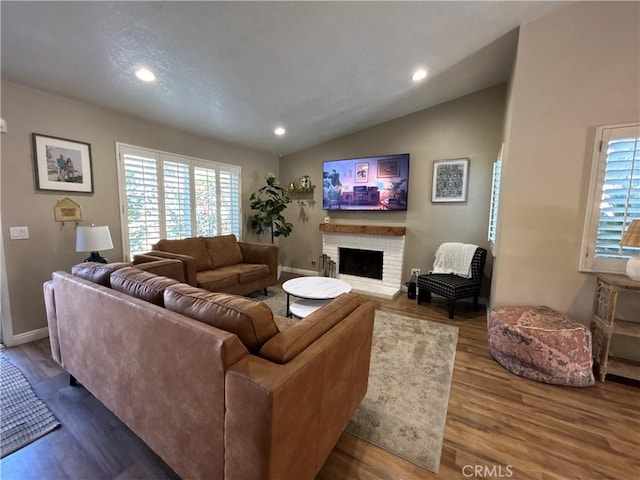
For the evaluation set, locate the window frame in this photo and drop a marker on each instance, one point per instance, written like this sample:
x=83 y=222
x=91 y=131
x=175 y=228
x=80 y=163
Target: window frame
x=193 y=163
x=494 y=202
x=588 y=262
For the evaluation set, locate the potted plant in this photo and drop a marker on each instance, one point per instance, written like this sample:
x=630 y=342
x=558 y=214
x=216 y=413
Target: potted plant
x=270 y=201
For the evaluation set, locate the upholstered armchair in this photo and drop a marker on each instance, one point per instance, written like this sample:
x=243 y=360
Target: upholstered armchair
x=454 y=287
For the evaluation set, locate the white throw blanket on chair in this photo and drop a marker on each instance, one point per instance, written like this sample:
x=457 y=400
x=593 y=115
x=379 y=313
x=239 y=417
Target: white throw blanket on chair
x=454 y=258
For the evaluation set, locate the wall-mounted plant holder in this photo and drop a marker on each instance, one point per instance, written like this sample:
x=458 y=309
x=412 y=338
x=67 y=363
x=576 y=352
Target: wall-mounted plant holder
x=66 y=210
x=302 y=191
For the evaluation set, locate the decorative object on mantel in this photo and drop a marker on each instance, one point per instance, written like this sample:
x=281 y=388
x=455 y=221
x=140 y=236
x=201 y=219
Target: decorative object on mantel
x=450 y=178
x=66 y=210
x=92 y=239
x=270 y=201
x=631 y=238
x=62 y=164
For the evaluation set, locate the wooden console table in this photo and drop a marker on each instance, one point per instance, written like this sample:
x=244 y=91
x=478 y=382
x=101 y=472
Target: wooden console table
x=604 y=325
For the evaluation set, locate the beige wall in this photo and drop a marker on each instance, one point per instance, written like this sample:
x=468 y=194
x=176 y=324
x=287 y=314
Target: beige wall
x=51 y=247
x=576 y=69
x=467 y=127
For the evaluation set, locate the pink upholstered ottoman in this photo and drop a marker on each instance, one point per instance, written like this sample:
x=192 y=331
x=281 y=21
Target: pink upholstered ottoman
x=541 y=344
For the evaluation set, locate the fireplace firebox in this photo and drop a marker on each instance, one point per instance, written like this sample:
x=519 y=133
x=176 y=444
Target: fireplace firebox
x=360 y=263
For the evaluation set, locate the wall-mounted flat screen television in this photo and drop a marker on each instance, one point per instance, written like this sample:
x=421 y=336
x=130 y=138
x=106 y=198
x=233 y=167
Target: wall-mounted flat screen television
x=367 y=183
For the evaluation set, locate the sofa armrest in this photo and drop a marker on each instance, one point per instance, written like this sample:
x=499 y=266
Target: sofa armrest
x=260 y=253
x=282 y=421
x=171 y=268
x=188 y=263
x=289 y=343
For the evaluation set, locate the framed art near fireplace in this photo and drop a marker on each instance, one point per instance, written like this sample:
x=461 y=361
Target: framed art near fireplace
x=450 y=178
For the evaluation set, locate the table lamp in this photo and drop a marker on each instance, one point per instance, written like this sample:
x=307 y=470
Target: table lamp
x=631 y=238
x=92 y=239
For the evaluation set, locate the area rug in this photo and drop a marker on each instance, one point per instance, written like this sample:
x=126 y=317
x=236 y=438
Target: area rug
x=405 y=409
x=24 y=417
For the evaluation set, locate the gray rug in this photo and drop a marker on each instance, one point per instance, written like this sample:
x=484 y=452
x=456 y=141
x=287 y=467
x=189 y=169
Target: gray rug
x=405 y=409
x=24 y=418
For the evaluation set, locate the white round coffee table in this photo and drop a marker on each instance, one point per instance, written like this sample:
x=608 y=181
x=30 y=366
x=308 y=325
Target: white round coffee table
x=313 y=292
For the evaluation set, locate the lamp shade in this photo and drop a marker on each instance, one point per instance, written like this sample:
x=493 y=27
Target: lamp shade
x=93 y=239
x=631 y=238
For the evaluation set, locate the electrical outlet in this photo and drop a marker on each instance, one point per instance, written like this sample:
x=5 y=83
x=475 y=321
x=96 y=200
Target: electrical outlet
x=415 y=271
x=18 y=233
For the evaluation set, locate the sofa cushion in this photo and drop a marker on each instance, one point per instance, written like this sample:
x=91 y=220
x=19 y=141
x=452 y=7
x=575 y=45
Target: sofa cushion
x=99 y=273
x=251 y=272
x=285 y=346
x=251 y=320
x=217 y=280
x=223 y=250
x=140 y=284
x=195 y=247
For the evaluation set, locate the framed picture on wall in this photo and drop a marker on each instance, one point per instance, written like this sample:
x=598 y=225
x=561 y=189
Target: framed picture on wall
x=362 y=172
x=450 y=178
x=61 y=164
x=388 y=168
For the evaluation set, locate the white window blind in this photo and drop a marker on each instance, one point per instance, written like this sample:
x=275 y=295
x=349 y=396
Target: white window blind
x=614 y=198
x=206 y=189
x=169 y=196
x=143 y=201
x=229 y=201
x=177 y=199
x=495 y=198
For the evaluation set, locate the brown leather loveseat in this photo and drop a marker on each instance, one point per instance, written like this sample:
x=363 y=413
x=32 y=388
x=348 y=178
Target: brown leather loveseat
x=220 y=264
x=215 y=384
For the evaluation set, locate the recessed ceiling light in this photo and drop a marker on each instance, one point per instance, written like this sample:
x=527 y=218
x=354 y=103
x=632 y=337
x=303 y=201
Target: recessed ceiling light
x=419 y=75
x=279 y=131
x=145 y=75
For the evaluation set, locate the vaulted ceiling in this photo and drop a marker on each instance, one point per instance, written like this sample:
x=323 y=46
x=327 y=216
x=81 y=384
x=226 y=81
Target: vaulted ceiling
x=237 y=70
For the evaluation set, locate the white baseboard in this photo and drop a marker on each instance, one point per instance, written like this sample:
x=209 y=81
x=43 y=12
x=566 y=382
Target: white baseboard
x=31 y=336
x=300 y=271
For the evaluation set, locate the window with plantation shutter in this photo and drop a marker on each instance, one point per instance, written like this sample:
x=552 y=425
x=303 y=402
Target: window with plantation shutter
x=169 y=196
x=614 y=198
x=229 y=201
x=142 y=207
x=177 y=199
x=495 y=198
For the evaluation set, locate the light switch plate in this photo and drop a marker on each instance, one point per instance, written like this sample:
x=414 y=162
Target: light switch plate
x=19 y=233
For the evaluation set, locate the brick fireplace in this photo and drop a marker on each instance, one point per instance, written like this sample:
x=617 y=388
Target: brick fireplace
x=388 y=240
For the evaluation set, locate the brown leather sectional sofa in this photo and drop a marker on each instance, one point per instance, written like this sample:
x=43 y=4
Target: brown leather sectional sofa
x=220 y=264
x=214 y=383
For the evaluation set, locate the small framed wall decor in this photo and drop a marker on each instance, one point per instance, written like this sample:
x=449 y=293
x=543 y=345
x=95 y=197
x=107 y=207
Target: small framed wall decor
x=450 y=179
x=388 y=168
x=66 y=210
x=362 y=172
x=61 y=164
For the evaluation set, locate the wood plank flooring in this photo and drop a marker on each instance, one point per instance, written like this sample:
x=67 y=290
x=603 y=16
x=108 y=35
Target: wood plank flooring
x=498 y=425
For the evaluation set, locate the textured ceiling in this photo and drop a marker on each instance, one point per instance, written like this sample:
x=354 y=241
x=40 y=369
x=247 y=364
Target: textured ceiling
x=236 y=70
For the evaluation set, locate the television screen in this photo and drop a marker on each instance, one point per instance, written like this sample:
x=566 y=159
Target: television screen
x=368 y=183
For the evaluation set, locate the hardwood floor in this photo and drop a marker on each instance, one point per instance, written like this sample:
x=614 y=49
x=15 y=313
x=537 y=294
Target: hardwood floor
x=498 y=425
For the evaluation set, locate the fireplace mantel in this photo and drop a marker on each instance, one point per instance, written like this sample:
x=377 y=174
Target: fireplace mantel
x=363 y=229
